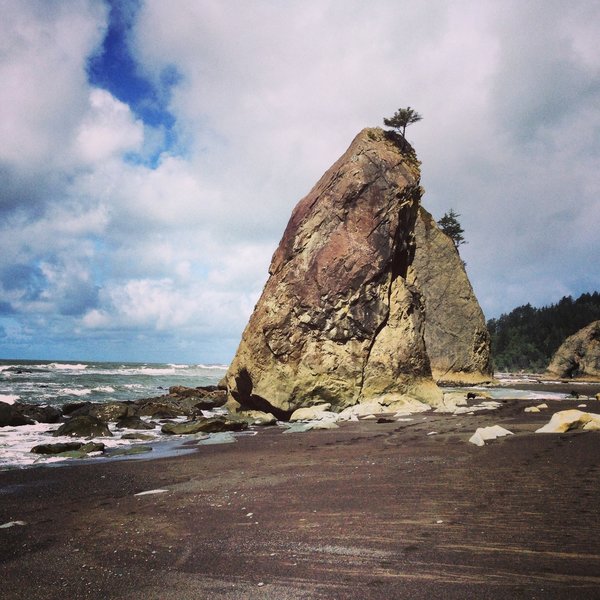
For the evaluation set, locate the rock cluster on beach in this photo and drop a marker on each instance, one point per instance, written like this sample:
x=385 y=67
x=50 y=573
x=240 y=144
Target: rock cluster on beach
x=180 y=411
x=366 y=296
x=578 y=355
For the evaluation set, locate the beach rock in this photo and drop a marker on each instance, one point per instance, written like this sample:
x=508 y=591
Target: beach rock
x=531 y=409
x=400 y=407
x=578 y=355
x=568 y=420
x=257 y=417
x=200 y=398
x=212 y=425
x=311 y=413
x=158 y=409
x=111 y=411
x=133 y=422
x=10 y=417
x=137 y=436
x=83 y=426
x=456 y=336
x=38 y=413
x=339 y=319
x=82 y=448
x=71 y=408
x=484 y=434
x=451 y=401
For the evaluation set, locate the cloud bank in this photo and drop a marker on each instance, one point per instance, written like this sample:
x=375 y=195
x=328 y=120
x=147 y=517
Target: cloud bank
x=152 y=153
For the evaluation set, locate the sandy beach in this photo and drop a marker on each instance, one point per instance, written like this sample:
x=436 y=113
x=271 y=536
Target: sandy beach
x=403 y=509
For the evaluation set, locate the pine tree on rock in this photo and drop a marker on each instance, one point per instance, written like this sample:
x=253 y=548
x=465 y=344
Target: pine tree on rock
x=402 y=118
x=451 y=227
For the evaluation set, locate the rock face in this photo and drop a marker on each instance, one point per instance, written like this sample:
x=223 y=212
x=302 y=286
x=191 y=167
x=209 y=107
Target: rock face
x=342 y=318
x=456 y=336
x=579 y=354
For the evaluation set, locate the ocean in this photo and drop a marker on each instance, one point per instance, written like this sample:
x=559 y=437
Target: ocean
x=56 y=383
x=59 y=382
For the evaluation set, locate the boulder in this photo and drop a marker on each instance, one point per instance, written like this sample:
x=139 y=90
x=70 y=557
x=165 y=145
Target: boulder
x=399 y=406
x=79 y=447
x=340 y=319
x=39 y=413
x=257 y=417
x=137 y=436
x=313 y=413
x=158 y=408
x=76 y=409
x=83 y=426
x=567 y=420
x=456 y=336
x=10 y=416
x=484 y=434
x=578 y=355
x=111 y=411
x=212 y=425
x=134 y=422
x=200 y=398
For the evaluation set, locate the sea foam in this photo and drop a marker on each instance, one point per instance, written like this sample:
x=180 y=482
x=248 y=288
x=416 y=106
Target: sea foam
x=9 y=398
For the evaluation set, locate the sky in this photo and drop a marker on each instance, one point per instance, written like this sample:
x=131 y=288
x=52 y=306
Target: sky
x=151 y=154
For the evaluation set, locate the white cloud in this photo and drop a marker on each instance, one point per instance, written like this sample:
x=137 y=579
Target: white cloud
x=44 y=47
x=270 y=95
x=108 y=129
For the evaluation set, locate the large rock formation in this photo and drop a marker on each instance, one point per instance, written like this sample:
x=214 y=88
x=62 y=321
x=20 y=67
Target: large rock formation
x=342 y=317
x=456 y=336
x=578 y=355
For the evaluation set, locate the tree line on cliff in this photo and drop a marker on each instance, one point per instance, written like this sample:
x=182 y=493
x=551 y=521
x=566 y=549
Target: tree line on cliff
x=527 y=337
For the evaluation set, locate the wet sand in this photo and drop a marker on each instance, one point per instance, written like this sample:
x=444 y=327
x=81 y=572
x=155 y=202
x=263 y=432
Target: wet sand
x=370 y=510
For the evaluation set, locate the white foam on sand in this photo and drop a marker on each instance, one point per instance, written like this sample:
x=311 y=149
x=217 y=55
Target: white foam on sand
x=9 y=398
x=16 y=443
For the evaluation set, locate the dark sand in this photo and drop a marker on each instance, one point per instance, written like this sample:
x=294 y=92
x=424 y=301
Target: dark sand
x=366 y=511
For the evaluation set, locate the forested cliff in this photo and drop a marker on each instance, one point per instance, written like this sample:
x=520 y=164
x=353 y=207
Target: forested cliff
x=527 y=337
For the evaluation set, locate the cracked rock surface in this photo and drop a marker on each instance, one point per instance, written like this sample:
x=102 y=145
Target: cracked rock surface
x=578 y=355
x=342 y=318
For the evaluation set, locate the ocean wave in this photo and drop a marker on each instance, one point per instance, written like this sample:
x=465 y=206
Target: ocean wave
x=74 y=392
x=104 y=388
x=213 y=367
x=176 y=366
x=153 y=371
x=67 y=367
x=9 y=398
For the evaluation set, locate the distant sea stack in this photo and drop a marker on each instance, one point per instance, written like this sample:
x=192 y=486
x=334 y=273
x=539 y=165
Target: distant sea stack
x=578 y=355
x=354 y=295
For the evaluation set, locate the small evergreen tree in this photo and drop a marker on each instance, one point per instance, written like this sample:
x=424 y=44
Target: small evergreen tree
x=451 y=227
x=402 y=118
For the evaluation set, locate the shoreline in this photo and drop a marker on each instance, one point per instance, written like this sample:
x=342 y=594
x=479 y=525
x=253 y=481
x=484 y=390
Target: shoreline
x=369 y=510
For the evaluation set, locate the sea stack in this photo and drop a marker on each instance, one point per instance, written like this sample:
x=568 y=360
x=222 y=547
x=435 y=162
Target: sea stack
x=342 y=318
x=456 y=335
x=579 y=355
